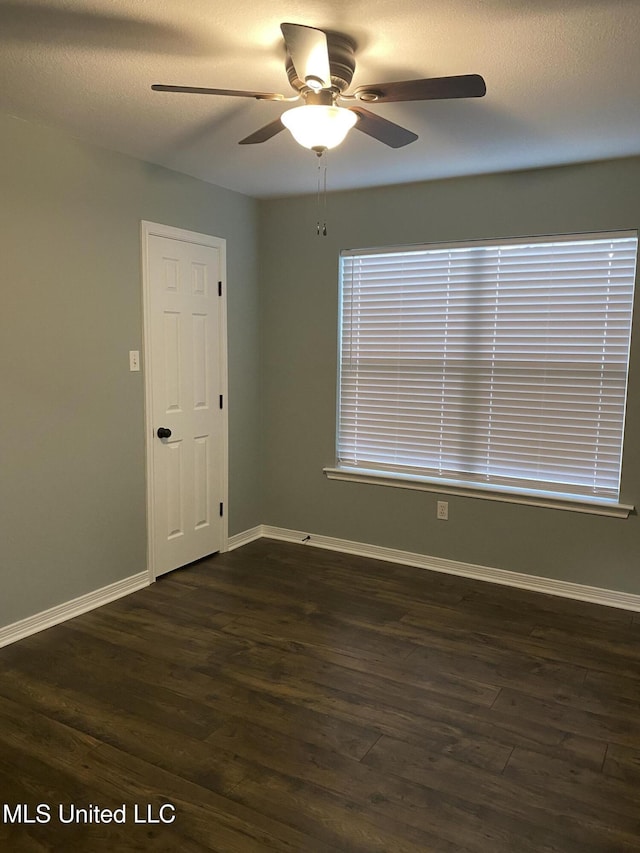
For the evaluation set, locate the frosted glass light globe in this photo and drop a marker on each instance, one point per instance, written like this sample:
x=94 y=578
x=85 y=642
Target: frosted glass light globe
x=318 y=127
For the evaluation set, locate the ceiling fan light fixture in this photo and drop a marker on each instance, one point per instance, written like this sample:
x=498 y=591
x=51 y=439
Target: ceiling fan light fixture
x=320 y=67
x=319 y=127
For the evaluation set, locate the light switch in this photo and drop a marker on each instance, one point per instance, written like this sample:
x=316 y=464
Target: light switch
x=134 y=359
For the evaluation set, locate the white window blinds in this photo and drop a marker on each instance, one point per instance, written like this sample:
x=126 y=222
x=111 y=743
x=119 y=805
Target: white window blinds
x=495 y=364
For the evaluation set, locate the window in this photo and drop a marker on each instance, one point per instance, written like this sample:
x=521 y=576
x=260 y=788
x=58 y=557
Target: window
x=494 y=365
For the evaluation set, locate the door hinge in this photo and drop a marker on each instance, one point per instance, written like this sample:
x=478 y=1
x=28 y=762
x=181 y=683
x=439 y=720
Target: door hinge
x=221 y=401
x=221 y=509
x=219 y=288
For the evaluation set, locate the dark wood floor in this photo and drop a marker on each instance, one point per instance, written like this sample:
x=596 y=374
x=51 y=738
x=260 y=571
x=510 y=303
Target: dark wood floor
x=282 y=697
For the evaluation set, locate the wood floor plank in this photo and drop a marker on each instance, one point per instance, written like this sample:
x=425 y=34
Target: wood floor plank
x=360 y=784
x=598 y=696
x=319 y=813
x=613 y=684
x=388 y=677
x=408 y=672
x=328 y=579
x=546 y=819
x=134 y=734
x=607 y=647
x=546 y=649
x=165 y=638
x=284 y=592
x=624 y=764
x=101 y=676
x=622 y=730
x=95 y=772
x=599 y=792
x=333 y=634
x=205 y=816
x=289 y=698
x=543 y=609
x=224 y=698
x=498 y=667
x=52 y=777
x=442 y=714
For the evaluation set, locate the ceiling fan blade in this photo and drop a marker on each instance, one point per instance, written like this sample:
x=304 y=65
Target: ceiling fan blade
x=382 y=129
x=233 y=93
x=309 y=53
x=264 y=133
x=433 y=88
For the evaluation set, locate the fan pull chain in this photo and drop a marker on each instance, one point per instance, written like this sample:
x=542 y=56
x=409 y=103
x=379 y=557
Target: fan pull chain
x=322 y=194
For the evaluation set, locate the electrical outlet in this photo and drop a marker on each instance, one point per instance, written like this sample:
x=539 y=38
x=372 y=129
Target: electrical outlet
x=134 y=360
x=442 y=510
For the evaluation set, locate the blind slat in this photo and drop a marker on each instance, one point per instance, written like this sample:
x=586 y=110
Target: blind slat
x=503 y=363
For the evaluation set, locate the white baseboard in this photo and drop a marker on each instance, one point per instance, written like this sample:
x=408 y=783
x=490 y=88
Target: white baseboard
x=564 y=589
x=245 y=537
x=62 y=612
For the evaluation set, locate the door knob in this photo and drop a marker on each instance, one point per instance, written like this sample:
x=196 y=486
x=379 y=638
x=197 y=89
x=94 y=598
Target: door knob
x=163 y=432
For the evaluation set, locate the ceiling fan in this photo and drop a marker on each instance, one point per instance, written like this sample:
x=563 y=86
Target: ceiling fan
x=320 y=67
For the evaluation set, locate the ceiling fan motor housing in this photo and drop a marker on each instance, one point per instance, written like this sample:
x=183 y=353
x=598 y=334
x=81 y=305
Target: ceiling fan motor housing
x=342 y=63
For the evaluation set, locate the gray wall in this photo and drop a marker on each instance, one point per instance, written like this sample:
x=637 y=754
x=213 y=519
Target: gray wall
x=72 y=462
x=298 y=284
x=72 y=479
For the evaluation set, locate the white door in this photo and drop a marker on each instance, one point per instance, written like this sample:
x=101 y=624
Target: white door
x=185 y=375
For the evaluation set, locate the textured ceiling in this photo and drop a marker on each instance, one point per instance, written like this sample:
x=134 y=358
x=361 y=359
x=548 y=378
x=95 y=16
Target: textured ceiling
x=563 y=83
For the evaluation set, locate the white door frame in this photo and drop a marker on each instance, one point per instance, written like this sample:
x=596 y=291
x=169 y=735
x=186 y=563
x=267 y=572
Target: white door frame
x=153 y=229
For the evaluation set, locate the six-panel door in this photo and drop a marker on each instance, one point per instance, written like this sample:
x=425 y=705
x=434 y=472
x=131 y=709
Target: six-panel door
x=185 y=332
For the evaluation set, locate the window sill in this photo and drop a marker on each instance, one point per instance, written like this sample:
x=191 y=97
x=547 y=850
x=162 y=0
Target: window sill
x=451 y=487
